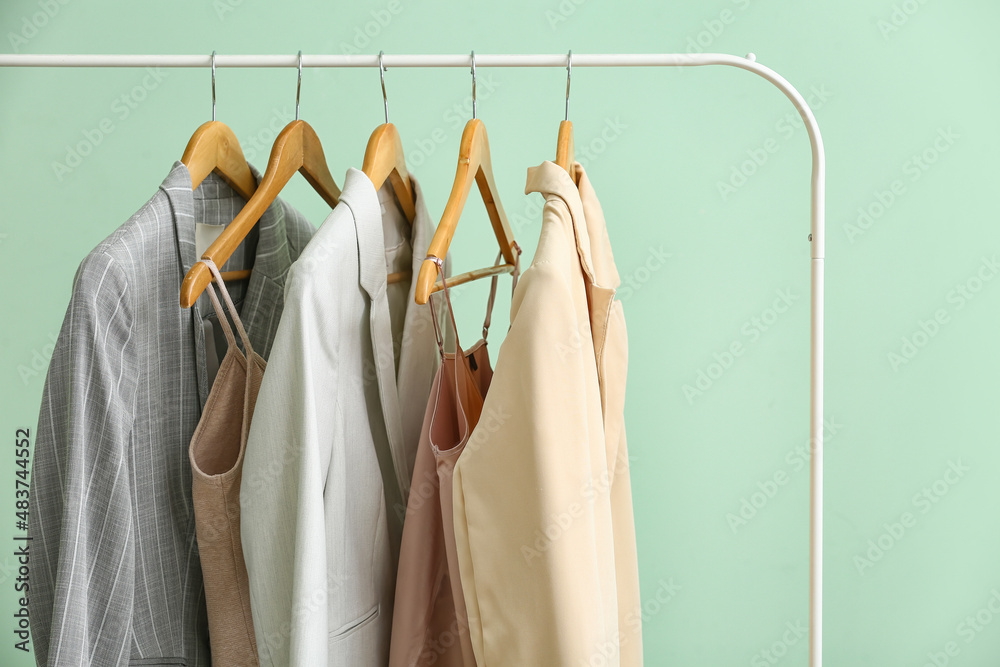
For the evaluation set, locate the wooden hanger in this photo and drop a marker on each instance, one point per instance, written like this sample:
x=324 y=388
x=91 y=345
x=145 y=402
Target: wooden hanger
x=384 y=157
x=297 y=149
x=565 y=155
x=384 y=160
x=214 y=147
x=473 y=166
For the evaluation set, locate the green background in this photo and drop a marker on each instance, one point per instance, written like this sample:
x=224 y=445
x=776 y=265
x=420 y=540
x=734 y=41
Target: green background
x=906 y=94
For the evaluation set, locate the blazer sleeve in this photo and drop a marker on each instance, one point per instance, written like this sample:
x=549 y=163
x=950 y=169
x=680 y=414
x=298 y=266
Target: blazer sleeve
x=281 y=495
x=81 y=521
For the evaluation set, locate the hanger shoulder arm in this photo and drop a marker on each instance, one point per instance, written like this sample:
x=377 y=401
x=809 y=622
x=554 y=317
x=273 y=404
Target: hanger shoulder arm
x=565 y=154
x=483 y=169
x=384 y=159
x=297 y=148
x=214 y=147
x=198 y=278
x=280 y=168
x=473 y=155
x=443 y=235
x=312 y=163
x=498 y=218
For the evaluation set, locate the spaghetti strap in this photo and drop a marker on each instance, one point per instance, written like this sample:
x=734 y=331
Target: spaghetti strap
x=451 y=312
x=223 y=320
x=489 y=302
x=216 y=453
x=493 y=286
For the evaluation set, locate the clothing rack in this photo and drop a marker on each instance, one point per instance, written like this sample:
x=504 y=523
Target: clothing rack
x=749 y=63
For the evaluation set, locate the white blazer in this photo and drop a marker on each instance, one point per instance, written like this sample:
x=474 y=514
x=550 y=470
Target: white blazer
x=331 y=449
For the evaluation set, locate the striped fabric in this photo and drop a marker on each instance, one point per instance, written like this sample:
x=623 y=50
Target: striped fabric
x=116 y=579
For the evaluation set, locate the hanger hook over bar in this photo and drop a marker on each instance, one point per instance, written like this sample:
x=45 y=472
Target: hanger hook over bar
x=381 y=76
x=213 y=85
x=298 y=88
x=569 y=73
x=473 y=84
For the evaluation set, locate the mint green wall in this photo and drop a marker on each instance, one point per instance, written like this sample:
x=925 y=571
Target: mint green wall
x=906 y=94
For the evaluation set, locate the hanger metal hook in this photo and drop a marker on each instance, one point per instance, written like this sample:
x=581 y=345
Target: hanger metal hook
x=381 y=76
x=569 y=74
x=213 y=85
x=473 y=85
x=298 y=88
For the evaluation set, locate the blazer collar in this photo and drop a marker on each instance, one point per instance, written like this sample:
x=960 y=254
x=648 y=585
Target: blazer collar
x=404 y=398
x=271 y=259
x=418 y=358
x=589 y=227
x=420 y=239
x=602 y=260
x=262 y=296
x=360 y=196
x=592 y=243
x=550 y=178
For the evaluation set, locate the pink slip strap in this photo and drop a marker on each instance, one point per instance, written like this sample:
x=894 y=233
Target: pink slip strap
x=489 y=304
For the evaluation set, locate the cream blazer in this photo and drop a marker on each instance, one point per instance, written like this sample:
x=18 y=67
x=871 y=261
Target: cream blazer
x=543 y=502
x=334 y=436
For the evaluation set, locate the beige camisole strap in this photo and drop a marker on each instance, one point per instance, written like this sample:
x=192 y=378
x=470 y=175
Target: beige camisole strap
x=216 y=455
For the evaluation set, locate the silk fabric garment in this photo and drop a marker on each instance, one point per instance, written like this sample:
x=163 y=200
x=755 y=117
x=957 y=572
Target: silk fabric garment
x=334 y=436
x=543 y=504
x=115 y=573
x=430 y=624
x=216 y=454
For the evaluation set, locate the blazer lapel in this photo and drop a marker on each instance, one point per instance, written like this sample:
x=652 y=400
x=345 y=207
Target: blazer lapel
x=262 y=297
x=177 y=187
x=360 y=195
x=600 y=274
x=553 y=179
x=418 y=357
x=262 y=306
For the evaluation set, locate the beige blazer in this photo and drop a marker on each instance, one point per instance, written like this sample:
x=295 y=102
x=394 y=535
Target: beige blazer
x=543 y=503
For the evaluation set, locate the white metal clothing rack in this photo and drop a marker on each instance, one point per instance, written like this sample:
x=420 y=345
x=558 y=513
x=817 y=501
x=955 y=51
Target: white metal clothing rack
x=817 y=227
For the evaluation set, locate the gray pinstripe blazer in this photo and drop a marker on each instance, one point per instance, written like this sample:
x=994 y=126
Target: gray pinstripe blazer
x=115 y=577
